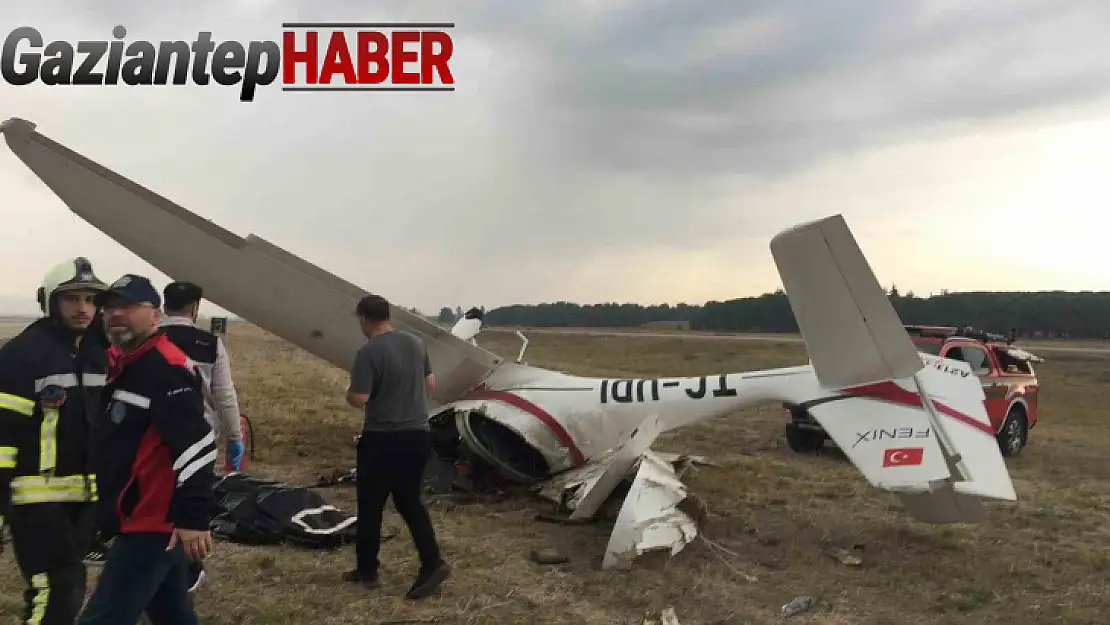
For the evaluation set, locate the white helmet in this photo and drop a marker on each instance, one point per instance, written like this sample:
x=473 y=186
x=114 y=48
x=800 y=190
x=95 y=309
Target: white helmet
x=76 y=273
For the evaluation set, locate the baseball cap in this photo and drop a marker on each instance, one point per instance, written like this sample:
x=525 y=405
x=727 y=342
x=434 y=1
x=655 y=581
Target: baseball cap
x=180 y=294
x=132 y=288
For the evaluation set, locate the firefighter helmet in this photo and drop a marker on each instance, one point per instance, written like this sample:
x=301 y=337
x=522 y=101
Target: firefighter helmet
x=71 y=275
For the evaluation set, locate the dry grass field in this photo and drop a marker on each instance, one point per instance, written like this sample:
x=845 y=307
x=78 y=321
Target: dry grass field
x=1044 y=559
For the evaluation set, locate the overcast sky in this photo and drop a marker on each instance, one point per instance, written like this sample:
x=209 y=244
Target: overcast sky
x=646 y=152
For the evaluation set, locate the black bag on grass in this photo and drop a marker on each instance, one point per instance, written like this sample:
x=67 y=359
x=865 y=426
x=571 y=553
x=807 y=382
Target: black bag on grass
x=265 y=512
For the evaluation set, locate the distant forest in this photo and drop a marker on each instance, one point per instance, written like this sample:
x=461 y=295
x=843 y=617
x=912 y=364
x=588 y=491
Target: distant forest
x=1034 y=314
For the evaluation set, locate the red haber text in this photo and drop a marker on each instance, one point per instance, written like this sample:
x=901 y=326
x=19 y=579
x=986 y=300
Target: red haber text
x=377 y=58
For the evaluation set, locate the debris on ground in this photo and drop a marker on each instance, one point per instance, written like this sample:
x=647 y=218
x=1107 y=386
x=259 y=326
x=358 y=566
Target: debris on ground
x=797 y=606
x=336 y=477
x=721 y=552
x=657 y=511
x=548 y=556
x=845 y=557
x=650 y=518
x=667 y=616
x=559 y=519
x=636 y=489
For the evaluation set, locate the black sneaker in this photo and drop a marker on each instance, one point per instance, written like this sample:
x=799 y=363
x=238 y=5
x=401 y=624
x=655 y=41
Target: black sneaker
x=429 y=581
x=196 y=575
x=355 y=576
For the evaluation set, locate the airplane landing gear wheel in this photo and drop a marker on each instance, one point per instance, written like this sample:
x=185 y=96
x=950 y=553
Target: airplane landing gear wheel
x=803 y=441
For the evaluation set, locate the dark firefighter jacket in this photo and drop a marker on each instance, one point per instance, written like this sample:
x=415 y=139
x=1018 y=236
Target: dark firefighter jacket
x=157 y=450
x=49 y=395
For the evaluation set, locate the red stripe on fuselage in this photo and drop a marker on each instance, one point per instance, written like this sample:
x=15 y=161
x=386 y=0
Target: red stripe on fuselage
x=545 y=417
x=889 y=391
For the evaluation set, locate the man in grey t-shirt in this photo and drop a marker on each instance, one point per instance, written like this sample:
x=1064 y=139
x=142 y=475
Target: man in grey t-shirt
x=393 y=368
x=390 y=380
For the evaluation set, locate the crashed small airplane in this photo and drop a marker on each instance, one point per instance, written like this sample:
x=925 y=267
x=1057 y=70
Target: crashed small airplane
x=585 y=435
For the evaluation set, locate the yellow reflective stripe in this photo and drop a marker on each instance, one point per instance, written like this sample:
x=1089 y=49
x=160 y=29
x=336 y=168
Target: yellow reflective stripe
x=8 y=456
x=15 y=403
x=41 y=584
x=40 y=481
x=71 y=495
x=37 y=489
x=48 y=444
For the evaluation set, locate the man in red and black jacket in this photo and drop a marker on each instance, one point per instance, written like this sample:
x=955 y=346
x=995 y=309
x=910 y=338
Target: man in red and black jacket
x=155 y=459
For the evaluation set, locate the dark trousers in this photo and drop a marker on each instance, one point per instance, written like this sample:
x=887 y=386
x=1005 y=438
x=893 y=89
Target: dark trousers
x=393 y=464
x=139 y=576
x=50 y=541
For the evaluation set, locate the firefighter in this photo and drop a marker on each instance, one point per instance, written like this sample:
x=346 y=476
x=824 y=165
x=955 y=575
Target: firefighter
x=51 y=375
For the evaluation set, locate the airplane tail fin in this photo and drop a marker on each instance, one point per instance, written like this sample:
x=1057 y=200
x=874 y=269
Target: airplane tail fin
x=851 y=330
x=911 y=423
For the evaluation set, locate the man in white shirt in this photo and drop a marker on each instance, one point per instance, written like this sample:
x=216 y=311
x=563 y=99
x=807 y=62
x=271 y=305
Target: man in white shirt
x=181 y=305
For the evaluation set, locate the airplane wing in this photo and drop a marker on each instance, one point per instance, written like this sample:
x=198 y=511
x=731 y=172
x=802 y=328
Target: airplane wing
x=266 y=285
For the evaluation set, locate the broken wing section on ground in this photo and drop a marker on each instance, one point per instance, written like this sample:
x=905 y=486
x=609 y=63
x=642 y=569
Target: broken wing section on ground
x=654 y=513
x=276 y=290
x=650 y=518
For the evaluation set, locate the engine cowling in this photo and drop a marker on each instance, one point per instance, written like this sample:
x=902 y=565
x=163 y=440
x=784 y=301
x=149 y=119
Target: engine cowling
x=498 y=434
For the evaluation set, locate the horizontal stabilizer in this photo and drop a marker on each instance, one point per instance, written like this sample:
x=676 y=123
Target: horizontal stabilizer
x=941 y=462
x=959 y=403
x=851 y=330
x=883 y=432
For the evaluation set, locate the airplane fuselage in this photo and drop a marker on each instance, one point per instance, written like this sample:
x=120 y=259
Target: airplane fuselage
x=571 y=419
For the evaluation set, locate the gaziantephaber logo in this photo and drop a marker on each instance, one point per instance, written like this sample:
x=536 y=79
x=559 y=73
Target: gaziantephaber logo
x=335 y=56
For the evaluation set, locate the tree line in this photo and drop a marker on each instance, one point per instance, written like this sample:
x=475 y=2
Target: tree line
x=1069 y=314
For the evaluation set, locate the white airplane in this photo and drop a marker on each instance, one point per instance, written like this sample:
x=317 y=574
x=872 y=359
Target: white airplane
x=584 y=435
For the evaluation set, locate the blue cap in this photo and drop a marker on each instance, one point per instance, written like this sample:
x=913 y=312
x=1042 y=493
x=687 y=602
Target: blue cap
x=132 y=288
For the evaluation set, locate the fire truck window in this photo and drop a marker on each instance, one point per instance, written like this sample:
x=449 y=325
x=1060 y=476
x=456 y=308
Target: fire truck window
x=929 y=347
x=977 y=358
x=1011 y=364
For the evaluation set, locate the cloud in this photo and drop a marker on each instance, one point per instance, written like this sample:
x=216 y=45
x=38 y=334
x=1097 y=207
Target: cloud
x=642 y=150
x=681 y=88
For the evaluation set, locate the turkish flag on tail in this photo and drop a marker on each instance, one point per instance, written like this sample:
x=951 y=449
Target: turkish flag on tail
x=903 y=456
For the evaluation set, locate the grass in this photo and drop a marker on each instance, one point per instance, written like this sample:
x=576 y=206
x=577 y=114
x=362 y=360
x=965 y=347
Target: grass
x=1043 y=559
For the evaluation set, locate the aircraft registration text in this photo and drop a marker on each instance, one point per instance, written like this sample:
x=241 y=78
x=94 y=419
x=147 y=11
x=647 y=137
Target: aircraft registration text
x=628 y=391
